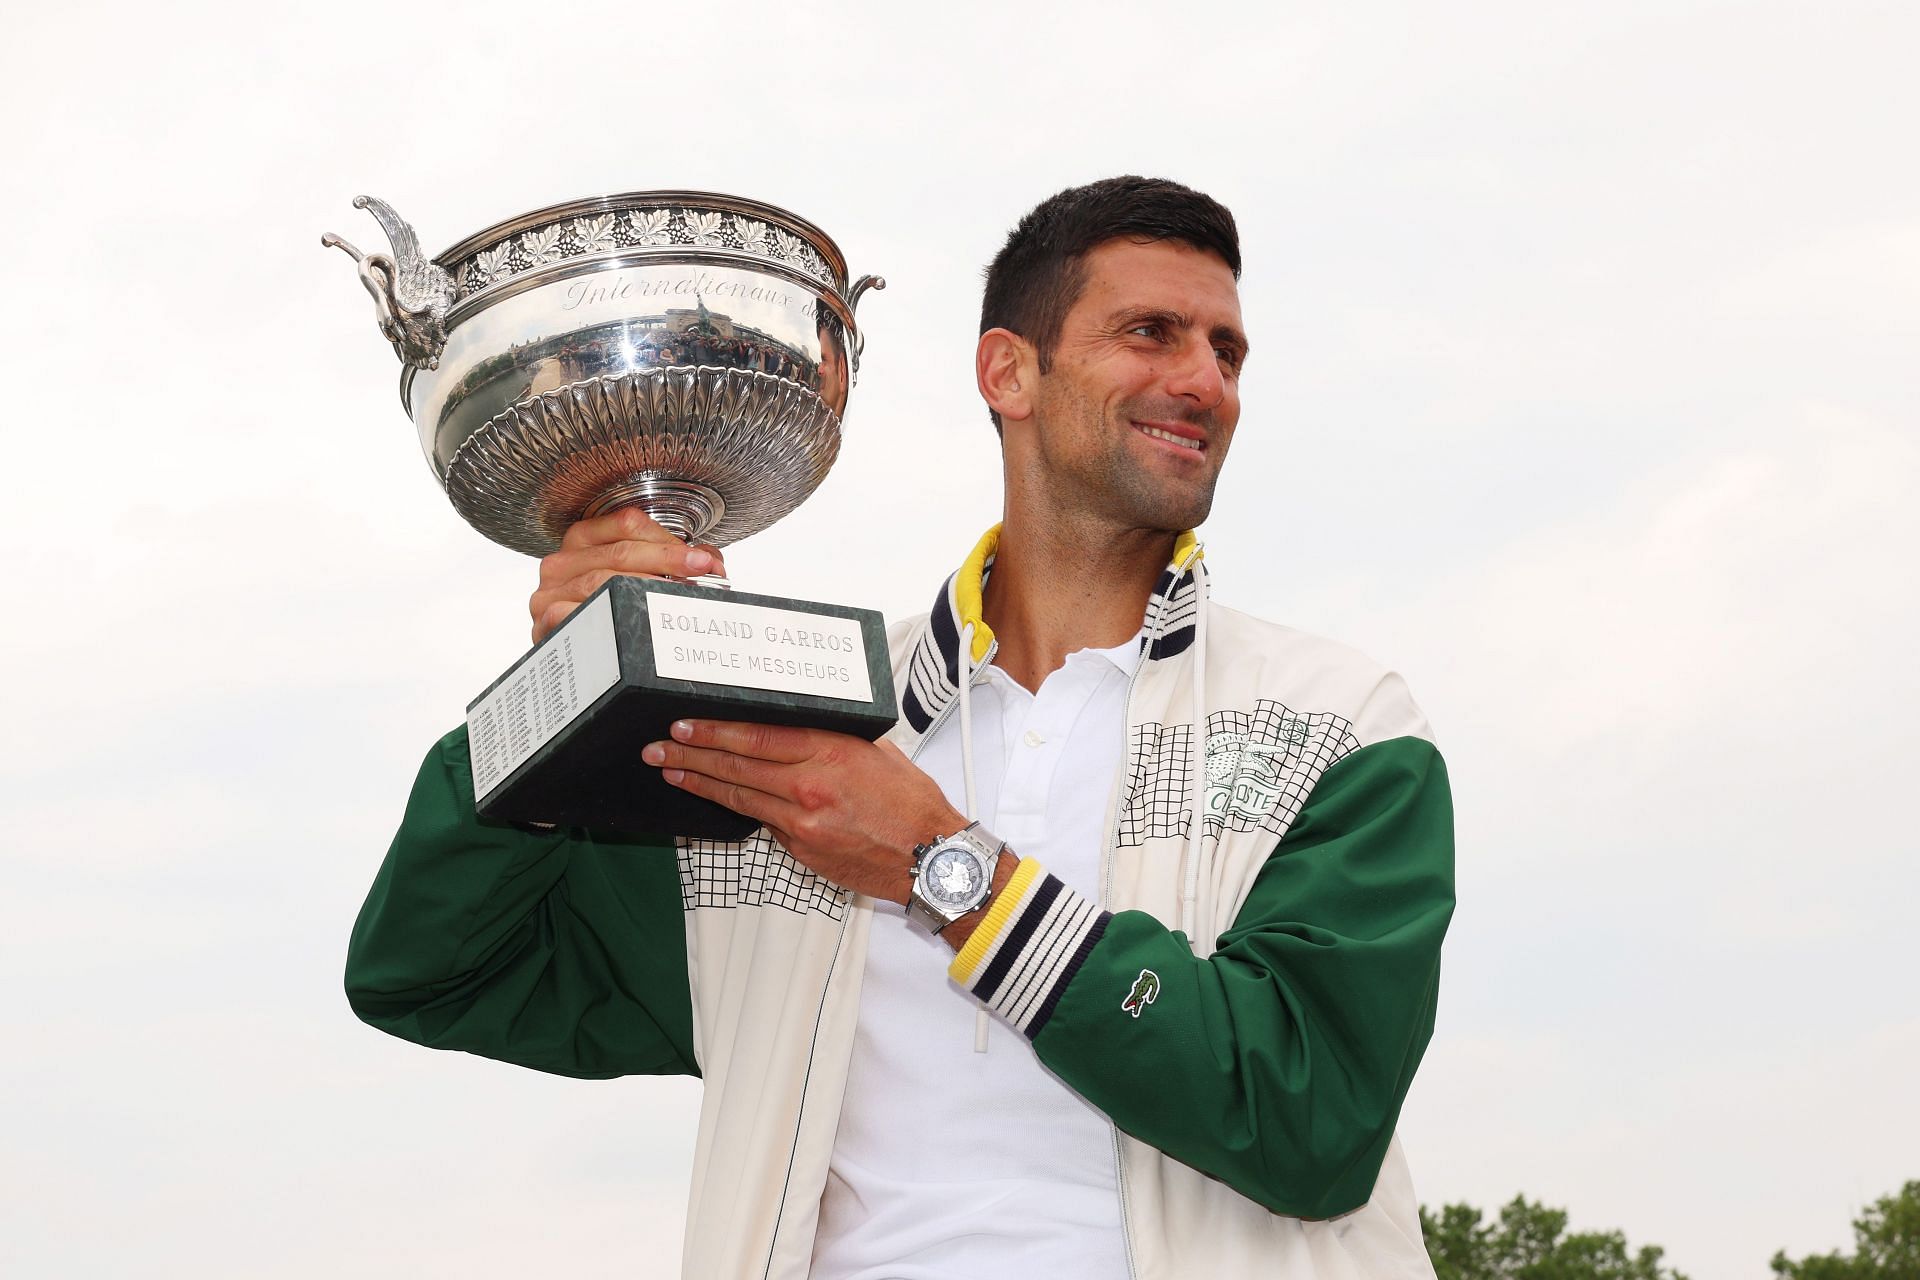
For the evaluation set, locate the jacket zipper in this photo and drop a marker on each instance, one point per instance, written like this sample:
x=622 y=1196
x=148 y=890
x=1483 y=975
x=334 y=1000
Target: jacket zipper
x=846 y=921
x=1106 y=900
x=1159 y=607
x=1106 y=896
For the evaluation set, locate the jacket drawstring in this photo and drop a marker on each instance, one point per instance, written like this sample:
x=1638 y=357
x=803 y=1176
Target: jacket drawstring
x=1197 y=776
x=981 y=1018
x=966 y=719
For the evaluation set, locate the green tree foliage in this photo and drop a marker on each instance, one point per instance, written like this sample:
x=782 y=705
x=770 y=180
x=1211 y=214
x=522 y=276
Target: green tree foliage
x=1529 y=1241
x=1886 y=1245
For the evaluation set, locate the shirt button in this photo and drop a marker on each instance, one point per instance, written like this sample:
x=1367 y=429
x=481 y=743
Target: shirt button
x=1035 y=740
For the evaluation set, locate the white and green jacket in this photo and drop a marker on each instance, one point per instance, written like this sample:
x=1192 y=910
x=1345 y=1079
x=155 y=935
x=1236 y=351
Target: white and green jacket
x=1248 y=1006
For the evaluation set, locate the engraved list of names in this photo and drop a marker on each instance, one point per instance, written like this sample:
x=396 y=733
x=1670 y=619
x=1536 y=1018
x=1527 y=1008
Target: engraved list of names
x=543 y=694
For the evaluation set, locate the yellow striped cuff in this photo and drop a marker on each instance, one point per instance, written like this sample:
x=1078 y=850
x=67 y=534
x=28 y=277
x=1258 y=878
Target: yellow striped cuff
x=980 y=947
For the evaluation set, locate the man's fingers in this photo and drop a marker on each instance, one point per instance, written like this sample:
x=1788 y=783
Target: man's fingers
x=757 y=805
x=760 y=741
x=642 y=559
x=547 y=620
x=569 y=593
x=723 y=765
x=665 y=559
x=577 y=570
x=628 y=524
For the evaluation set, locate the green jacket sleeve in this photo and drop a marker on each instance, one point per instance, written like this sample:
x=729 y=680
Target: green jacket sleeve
x=557 y=950
x=1279 y=1063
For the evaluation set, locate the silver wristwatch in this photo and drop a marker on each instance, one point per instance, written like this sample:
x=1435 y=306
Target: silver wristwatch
x=953 y=876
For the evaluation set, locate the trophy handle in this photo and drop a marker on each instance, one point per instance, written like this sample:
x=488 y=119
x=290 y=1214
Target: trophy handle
x=411 y=292
x=860 y=287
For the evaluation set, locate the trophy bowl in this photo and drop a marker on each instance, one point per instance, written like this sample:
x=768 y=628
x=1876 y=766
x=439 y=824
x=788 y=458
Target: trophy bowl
x=686 y=352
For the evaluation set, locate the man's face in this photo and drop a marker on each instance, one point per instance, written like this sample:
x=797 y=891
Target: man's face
x=1133 y=421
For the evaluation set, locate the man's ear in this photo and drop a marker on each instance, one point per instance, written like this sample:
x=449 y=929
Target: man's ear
x=1005 y=367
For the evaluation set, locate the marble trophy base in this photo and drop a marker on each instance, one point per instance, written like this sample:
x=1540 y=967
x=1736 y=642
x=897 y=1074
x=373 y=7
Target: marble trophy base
x=557 y=738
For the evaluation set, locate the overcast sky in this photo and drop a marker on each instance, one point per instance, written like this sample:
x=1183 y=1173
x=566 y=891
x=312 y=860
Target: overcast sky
x=1583 y=392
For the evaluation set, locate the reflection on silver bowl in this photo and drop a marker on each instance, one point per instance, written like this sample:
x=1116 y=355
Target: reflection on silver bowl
x=686 y=352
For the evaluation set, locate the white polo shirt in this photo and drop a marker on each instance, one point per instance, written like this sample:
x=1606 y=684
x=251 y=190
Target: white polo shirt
x=948 y=1163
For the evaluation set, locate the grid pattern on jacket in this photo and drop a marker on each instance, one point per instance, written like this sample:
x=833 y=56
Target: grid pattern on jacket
x=1260 y=766
x=755 y=872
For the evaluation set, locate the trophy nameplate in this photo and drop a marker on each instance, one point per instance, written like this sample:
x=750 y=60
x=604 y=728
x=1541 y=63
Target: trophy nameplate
x=558 y=737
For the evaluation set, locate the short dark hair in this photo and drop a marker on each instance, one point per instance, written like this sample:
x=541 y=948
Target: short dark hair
x=1037 y=276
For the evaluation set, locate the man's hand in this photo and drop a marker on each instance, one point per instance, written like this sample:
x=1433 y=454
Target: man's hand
x=849 y=809
x=627 y=541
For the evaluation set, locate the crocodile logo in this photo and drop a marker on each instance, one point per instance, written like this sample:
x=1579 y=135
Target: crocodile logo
x=1146 y=989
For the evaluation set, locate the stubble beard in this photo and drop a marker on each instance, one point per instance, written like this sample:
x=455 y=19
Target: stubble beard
x=1113 y=484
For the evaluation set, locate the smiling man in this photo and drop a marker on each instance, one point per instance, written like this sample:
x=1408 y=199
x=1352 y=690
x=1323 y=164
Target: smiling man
x=1115 y=958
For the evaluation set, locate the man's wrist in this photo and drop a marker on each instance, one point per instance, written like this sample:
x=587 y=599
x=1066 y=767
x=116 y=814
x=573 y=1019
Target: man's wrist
x=956 y=934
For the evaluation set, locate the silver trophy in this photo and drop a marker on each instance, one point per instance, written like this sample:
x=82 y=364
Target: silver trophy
x=680 y=351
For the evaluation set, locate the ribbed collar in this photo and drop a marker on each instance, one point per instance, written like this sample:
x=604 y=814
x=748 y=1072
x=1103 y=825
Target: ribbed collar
x=933 y=671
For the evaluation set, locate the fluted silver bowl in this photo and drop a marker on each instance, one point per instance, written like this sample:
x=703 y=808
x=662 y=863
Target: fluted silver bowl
x=686 y=352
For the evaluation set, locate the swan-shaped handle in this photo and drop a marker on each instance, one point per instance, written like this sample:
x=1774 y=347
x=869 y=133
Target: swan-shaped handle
x=411 y=292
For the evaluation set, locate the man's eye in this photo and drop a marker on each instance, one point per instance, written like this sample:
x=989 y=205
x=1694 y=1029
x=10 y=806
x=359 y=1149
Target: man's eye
x=1148 y=330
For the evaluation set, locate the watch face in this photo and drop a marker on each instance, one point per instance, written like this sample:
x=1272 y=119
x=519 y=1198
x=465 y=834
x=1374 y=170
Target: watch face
x=952 y=878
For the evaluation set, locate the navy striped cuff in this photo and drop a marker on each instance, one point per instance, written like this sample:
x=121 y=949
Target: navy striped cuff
x=1023 y=955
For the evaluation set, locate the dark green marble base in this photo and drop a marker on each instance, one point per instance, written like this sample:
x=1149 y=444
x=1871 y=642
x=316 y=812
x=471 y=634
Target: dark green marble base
x=589 y=773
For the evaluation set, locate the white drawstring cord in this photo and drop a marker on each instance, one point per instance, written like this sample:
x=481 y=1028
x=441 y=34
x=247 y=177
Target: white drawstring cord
x=980 y=1019
x=1197 y=781
x=966 y=719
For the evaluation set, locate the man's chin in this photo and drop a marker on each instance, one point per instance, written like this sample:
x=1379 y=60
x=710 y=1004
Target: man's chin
x=1179 y=514
x=1176 y=520
x=1130 y=498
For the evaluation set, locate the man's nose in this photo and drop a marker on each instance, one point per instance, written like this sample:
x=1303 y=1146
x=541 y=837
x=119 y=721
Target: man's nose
x=1196 y=376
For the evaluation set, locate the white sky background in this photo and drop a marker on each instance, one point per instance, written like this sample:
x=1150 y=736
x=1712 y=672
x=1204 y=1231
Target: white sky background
x=1584 y=392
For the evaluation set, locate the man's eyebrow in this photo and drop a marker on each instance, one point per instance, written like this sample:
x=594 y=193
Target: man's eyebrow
x=1137 y=315
x=1223 y=334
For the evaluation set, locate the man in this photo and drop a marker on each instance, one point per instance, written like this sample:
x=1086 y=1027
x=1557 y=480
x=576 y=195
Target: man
x=1197 y=866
